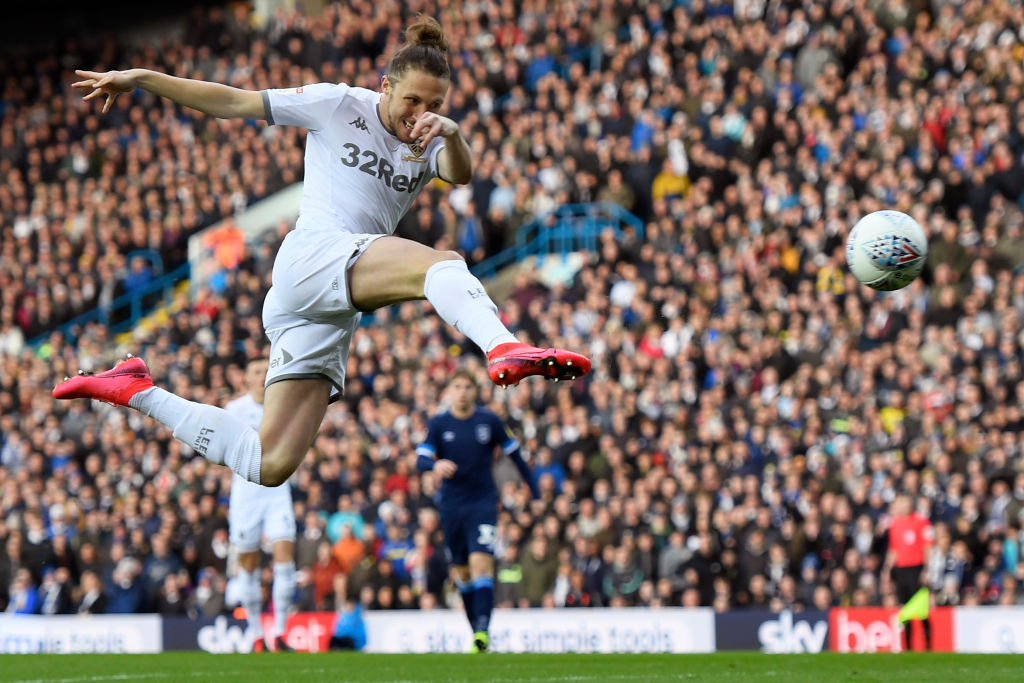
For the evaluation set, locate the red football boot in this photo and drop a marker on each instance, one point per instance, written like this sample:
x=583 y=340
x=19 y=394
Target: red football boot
x=511 y=362
x=115 y=386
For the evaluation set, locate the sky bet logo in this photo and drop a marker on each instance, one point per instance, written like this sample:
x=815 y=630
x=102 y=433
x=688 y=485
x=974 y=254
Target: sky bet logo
x=380 y=168
x=784 y=635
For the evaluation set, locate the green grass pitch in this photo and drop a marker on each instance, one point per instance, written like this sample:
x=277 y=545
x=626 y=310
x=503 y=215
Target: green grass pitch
x=506 y=668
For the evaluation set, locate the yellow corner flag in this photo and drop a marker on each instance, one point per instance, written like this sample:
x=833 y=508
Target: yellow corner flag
x=916 y=608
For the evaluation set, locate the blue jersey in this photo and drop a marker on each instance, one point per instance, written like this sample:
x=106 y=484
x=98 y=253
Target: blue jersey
x=470 y=444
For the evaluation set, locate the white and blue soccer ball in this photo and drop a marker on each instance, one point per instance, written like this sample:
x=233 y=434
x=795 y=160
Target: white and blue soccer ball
x=886 y=250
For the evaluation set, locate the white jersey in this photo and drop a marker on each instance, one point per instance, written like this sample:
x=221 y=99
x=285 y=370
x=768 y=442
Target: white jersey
x=255 y=511
x=246 y=409
x=359 y=177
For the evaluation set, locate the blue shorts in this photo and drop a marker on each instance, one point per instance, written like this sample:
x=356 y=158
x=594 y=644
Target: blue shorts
x=469 y=530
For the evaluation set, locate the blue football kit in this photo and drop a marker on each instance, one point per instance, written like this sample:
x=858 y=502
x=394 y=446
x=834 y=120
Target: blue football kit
x=468 y=500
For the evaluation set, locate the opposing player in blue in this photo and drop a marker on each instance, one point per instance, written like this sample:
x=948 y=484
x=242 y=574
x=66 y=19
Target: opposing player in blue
x=461 y=447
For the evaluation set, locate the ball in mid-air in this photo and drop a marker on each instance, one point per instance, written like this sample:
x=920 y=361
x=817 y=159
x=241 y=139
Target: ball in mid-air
x=886 y=250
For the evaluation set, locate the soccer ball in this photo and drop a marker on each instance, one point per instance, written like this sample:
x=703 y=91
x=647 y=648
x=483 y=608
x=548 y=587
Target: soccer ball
x=886 y=250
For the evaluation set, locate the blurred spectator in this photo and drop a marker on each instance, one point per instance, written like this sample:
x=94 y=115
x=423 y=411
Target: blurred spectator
x=209 y=596
x=325 y=570
x=349 y=628
x=92 y=600
x=55 y=592
x=127 y=595
x=539 y=569
x=23 y=597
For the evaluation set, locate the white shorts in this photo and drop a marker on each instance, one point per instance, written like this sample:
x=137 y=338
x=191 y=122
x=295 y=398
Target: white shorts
x=256 y=511
x=308 y=315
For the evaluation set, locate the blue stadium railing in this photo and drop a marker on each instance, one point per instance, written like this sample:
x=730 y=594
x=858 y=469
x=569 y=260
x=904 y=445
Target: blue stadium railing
x=127 y=310
x=567 y=229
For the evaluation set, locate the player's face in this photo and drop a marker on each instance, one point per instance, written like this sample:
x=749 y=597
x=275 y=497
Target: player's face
x=256 y=375
x=406 y=100
x=463 y=393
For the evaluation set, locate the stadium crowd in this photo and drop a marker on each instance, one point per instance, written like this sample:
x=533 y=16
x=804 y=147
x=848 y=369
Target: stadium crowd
x=753 y=411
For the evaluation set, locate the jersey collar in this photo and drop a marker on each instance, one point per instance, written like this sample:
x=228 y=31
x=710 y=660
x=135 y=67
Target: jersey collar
x=464 y=419
x=376 y=110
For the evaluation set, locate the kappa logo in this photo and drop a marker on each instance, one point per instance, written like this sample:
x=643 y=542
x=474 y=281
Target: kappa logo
x=360 y=124
x=892 y=251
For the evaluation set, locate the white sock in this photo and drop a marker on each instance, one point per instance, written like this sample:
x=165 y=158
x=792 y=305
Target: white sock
x=461 y=300
x=213 y=432
x=252 y=600
x=283 y=591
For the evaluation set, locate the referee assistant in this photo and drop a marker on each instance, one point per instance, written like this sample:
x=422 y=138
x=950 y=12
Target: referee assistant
x=910 y=537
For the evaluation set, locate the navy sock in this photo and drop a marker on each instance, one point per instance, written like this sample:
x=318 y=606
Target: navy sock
x=483 y=602
x=466 y=591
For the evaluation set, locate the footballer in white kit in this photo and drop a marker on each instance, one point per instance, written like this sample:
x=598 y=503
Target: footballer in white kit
x=256 y=512
x=368 y=154
x=360 y=180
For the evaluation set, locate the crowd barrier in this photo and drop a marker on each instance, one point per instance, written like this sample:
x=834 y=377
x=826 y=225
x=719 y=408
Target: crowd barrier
x=674 y=630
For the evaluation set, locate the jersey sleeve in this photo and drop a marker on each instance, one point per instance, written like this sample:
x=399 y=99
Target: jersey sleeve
x=433 y=160
x=309 y=106
x=429 y=447
x=509 y=444
x=503 y=437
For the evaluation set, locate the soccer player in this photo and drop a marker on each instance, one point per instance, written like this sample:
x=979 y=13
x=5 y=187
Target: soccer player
x=460 y=447
x=255 y=511
x=368 y=155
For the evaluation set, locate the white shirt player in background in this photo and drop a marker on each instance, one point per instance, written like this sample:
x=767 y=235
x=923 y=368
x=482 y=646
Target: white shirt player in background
x=368 y=154
x=255 y=512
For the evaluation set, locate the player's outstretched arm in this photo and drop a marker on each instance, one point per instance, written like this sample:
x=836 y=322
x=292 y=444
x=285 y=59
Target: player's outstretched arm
x=214 y=99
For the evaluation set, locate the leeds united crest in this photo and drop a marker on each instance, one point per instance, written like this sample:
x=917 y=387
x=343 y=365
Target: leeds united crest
x=417 y=153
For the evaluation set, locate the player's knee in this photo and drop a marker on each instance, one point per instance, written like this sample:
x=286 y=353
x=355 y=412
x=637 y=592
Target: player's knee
x=274 y=471
x=481 y=568
x=449 y=256
x=273 y=478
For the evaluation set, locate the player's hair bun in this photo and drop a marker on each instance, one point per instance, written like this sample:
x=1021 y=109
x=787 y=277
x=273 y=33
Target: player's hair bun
x=426 y=31
x=425 y=49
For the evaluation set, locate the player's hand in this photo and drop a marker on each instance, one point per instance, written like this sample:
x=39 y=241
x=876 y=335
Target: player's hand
x=445 y=468
x=430 y=125
x=109 y=83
